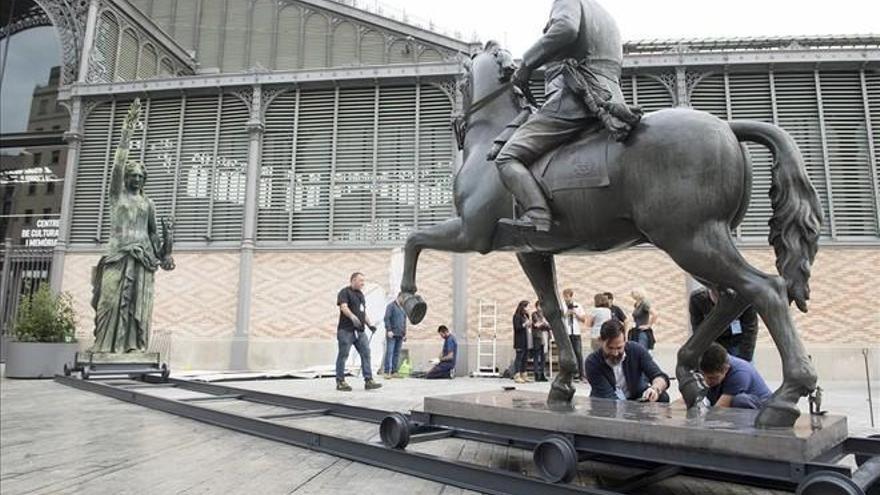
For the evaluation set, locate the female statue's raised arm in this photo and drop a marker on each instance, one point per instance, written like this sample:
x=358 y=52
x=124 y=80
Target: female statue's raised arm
x=117 y=180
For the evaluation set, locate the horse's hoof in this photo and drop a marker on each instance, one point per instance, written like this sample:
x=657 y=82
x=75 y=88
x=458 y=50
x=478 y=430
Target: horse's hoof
x=777 y=414
x=692 y=390
x=415 y=308
x=560 y=394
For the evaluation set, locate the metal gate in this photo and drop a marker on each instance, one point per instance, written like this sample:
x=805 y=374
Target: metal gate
x=25 y=269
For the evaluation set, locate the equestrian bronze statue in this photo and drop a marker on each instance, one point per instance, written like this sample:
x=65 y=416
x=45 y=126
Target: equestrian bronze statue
x=676 y=178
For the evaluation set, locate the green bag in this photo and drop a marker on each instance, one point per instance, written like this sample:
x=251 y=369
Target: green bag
x=405 y=368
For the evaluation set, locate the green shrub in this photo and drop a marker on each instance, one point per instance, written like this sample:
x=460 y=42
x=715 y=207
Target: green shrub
x=45 y=317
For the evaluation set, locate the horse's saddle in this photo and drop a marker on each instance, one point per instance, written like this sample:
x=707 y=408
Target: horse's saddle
x=579 y=164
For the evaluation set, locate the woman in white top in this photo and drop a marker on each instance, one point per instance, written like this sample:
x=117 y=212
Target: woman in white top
x=599 y=314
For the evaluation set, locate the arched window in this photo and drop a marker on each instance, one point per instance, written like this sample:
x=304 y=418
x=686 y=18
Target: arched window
x=104 y=54
x=289 y=34
x=148 y=63
x=126 y=65
x=372 y=48
x=401 y=52
x=317 y=30
x=344 y=45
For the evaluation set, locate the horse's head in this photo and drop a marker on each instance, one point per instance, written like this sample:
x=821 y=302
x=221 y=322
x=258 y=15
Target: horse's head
x=488 y=71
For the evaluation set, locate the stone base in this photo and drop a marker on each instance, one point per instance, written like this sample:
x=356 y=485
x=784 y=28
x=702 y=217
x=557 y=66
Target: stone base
x=721 y=431
x=134 y=358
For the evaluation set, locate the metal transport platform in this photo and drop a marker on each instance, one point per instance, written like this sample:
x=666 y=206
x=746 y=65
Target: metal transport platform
x=555 y=452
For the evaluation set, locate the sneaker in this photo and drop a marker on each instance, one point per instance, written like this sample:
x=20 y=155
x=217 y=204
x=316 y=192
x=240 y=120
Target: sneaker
x=396 y=375
x=371 y=385
x=342 y=386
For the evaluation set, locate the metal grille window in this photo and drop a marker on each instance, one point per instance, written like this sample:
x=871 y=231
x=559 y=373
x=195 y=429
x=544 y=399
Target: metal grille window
x=710 y=96
x=344 y=45
x=210 y=33
x=355 y=165
x=126 y=65
x=372 y=48
x=852 y=190
x=261 y=32
x=317 y=30
x=104 y=55
x=195 y=153
x=235 y=36
x=797 y=110
x=184 y=22
x=289 y=31
x=750 y=99
x=148 y=63
x=651 y=94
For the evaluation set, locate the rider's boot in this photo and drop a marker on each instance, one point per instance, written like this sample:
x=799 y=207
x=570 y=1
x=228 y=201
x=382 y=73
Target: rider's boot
x=520 y=182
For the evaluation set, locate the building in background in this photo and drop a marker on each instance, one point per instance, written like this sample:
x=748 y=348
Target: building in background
x=296 y=141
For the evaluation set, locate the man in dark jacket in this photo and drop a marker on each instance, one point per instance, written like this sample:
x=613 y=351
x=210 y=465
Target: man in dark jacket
x=624 y=370
x=582 y=55
x=395 y=333
x=739 y=338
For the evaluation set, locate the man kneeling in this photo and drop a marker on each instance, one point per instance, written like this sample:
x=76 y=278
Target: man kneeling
x=444 y=368
x=624 y=370
x=733 y=382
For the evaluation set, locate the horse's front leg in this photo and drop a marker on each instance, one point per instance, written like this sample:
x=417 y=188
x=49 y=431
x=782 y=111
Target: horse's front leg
x=446 y=236
x=729 y=307
x=541 y=271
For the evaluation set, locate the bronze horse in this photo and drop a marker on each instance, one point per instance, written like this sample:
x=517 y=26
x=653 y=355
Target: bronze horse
x=682 y=182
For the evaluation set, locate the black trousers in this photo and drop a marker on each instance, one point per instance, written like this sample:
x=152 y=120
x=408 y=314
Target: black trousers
x=578 y=354
x=521 y=361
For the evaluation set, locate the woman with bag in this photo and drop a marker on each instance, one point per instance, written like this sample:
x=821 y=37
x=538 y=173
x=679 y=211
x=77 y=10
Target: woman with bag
x=644 y=318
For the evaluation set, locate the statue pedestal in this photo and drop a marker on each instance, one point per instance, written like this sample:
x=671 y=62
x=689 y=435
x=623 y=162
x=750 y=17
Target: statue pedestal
x=106 y=363
x=725 y=432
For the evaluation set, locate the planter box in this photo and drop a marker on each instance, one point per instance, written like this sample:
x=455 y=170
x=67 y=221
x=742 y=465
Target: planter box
x=38 y=359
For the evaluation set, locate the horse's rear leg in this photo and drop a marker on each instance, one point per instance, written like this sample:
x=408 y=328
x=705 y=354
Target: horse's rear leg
x=541 y=270
x=445 y=236
x=712 y=256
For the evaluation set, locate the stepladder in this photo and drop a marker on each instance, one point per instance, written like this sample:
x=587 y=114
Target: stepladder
x=487 y=339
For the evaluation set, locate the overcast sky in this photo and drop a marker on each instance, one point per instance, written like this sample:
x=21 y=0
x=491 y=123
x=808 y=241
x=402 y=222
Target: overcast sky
x=31 y=55
x=517 y=23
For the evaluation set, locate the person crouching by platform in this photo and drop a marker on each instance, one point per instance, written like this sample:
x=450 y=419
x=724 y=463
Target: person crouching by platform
x=445 y=367
x=624 y=370
x=351 y=331
x=733 y=382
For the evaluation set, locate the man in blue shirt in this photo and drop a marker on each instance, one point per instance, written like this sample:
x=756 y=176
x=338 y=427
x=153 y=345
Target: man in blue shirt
x=444 y=368
x=395 y=332
x=624 y=370
x=733 y=382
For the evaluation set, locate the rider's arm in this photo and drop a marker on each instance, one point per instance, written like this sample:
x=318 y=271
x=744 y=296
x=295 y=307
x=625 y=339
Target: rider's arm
x=561 y=31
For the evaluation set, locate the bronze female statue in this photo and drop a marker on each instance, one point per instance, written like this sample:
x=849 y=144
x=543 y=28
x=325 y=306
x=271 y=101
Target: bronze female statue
x=123 y=280
x=680 y=181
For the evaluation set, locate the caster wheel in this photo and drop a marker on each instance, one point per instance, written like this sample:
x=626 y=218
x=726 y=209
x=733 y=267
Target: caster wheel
x=66 y=370
x=828 y=483
x=556 y=459
x=394 y=431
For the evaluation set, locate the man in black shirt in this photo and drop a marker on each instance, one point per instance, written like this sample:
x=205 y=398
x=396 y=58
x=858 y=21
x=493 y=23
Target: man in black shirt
x=351 y=331
x=739 y=338
x=616 y=313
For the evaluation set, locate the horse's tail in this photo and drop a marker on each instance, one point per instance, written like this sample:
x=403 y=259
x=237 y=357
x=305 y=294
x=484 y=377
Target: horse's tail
x=797 y=212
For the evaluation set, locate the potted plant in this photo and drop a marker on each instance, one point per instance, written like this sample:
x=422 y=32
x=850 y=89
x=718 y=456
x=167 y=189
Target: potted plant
x=44 y=336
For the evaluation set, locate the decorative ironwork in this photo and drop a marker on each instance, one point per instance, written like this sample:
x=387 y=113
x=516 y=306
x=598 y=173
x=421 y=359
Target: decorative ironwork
x=69 y=18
